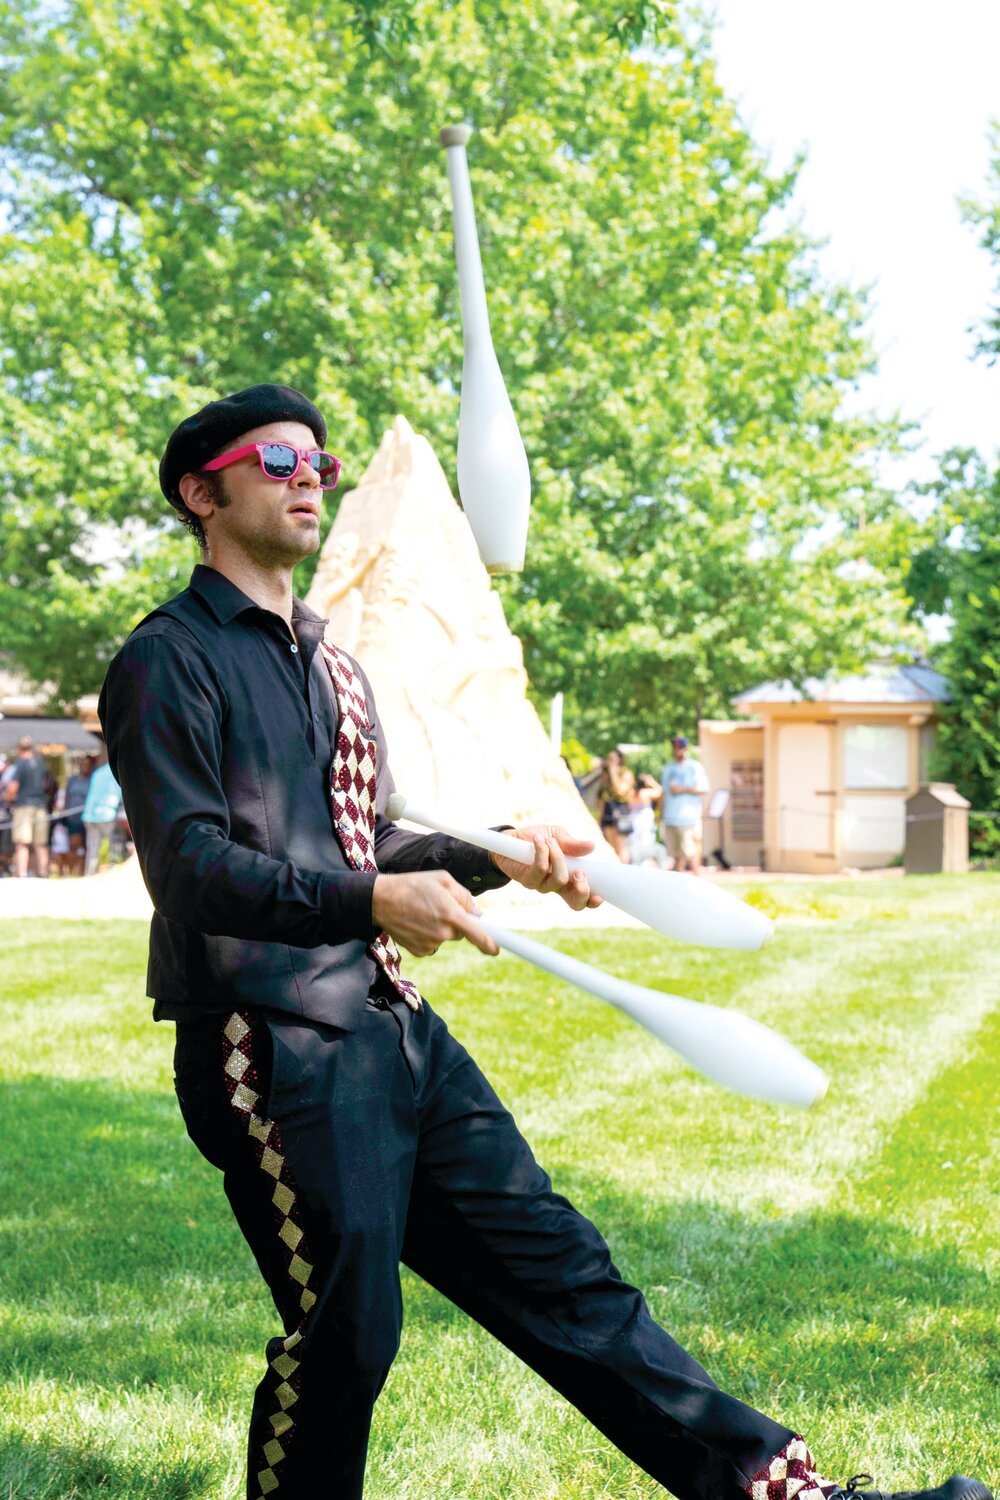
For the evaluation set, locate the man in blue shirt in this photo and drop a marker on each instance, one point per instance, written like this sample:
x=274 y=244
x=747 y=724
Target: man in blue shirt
x=100 y=811
x=684 y=785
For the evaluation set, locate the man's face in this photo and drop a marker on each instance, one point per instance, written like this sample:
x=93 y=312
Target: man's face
x=680 y=752
x=275 y=522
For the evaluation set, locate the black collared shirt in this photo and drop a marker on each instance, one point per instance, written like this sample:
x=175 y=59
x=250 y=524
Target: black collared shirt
x=220 y=724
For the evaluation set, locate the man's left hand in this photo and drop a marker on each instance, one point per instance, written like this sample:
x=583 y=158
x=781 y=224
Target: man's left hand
x=548 y=870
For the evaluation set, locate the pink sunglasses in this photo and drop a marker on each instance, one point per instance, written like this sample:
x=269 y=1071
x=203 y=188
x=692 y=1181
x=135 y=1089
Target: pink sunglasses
x=282 y=461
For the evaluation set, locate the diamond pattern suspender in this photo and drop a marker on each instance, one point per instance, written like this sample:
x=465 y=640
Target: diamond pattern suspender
x=352 y=795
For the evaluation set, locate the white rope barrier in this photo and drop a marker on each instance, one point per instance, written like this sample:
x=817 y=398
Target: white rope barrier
x=57 y=817
x=932 y=817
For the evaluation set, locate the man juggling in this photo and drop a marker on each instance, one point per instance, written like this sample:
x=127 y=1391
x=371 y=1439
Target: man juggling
x=353 y=1131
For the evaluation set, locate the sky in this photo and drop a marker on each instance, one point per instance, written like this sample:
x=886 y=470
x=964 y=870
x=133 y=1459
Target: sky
x=891 y=101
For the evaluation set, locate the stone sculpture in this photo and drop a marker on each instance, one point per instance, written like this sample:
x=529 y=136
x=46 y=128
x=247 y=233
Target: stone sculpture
x=406 y=593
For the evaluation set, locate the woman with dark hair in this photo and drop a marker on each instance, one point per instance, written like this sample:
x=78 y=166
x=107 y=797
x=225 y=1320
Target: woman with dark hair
x=615 y=790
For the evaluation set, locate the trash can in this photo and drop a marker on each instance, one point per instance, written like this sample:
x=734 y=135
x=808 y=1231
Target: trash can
x=937 y=831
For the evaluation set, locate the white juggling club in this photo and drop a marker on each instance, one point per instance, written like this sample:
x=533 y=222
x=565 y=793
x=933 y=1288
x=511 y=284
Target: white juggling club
x=678 y=905
x=493 y=478
x=730 y=1048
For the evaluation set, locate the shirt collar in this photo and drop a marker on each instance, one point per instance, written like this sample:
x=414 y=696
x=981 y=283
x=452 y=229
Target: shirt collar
x=226 y=601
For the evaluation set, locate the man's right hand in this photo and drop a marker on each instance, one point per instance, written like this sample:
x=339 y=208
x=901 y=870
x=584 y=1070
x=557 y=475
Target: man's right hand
x=428 y=908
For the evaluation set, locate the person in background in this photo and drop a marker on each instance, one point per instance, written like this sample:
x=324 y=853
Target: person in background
x=100 y=811
x=27 y=791
x=643 y=845
x=684 y=785
x=76 y=796
x=6 y=843
x=615 y=790
x=59 y=856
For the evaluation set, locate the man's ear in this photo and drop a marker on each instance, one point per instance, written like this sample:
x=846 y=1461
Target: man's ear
x=196 y=494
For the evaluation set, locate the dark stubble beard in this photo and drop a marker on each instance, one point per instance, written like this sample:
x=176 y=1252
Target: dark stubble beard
x=266 y=551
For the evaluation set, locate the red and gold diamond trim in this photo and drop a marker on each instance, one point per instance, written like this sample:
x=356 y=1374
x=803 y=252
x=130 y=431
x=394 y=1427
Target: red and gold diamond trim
x=791 y=1475
x=241 y=1076
x=352 y=794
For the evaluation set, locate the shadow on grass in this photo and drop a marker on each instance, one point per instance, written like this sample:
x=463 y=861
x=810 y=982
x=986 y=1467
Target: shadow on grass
x=106 y=1177
x=37 y=1469
x=119 y=1264
x=119 y=1260
x=826 y=1304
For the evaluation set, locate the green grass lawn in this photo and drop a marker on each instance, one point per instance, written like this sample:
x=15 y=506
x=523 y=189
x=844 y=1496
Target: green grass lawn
x=839 y=1269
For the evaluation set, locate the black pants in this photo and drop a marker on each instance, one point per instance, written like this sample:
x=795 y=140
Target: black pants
x=346 y=1152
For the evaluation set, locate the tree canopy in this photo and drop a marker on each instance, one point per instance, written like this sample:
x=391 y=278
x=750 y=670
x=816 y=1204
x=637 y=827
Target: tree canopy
x=958 y=573
x=204 y=195
x=983 y=213
x=955 y=570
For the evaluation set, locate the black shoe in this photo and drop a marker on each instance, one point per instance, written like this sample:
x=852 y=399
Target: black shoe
x=955 y=1488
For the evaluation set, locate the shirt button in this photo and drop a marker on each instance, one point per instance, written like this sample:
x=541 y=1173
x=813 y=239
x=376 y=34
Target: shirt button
x=295 y=650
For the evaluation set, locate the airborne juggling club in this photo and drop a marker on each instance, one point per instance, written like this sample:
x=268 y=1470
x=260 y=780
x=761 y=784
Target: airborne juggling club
x=494 y=484
x=730 y=1048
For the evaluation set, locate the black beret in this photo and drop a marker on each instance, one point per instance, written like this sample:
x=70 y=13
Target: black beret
x=199 y=438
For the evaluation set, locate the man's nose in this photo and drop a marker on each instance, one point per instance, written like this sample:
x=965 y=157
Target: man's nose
x=306 y=476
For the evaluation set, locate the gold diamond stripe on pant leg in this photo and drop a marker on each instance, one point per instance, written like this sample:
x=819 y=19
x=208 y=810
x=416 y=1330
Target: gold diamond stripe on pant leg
x=284 y=1365
x=300 y=1269
x=290 y=1233
x=286 y=1395
x=282 y=1197
x=271 y=1161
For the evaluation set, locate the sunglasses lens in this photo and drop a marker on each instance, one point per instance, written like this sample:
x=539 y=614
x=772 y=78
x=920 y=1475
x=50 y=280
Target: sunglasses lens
x=280 y=461
x=327 y=468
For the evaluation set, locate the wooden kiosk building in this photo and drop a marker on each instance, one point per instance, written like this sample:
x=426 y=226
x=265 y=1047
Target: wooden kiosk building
x=819 y=778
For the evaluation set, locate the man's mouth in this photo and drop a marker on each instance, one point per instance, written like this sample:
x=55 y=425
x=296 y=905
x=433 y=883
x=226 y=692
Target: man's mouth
x=305 y=508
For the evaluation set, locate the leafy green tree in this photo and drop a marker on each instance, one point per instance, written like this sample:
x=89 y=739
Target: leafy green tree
x=204 y=195
x=983 y=213
x=958 y=573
